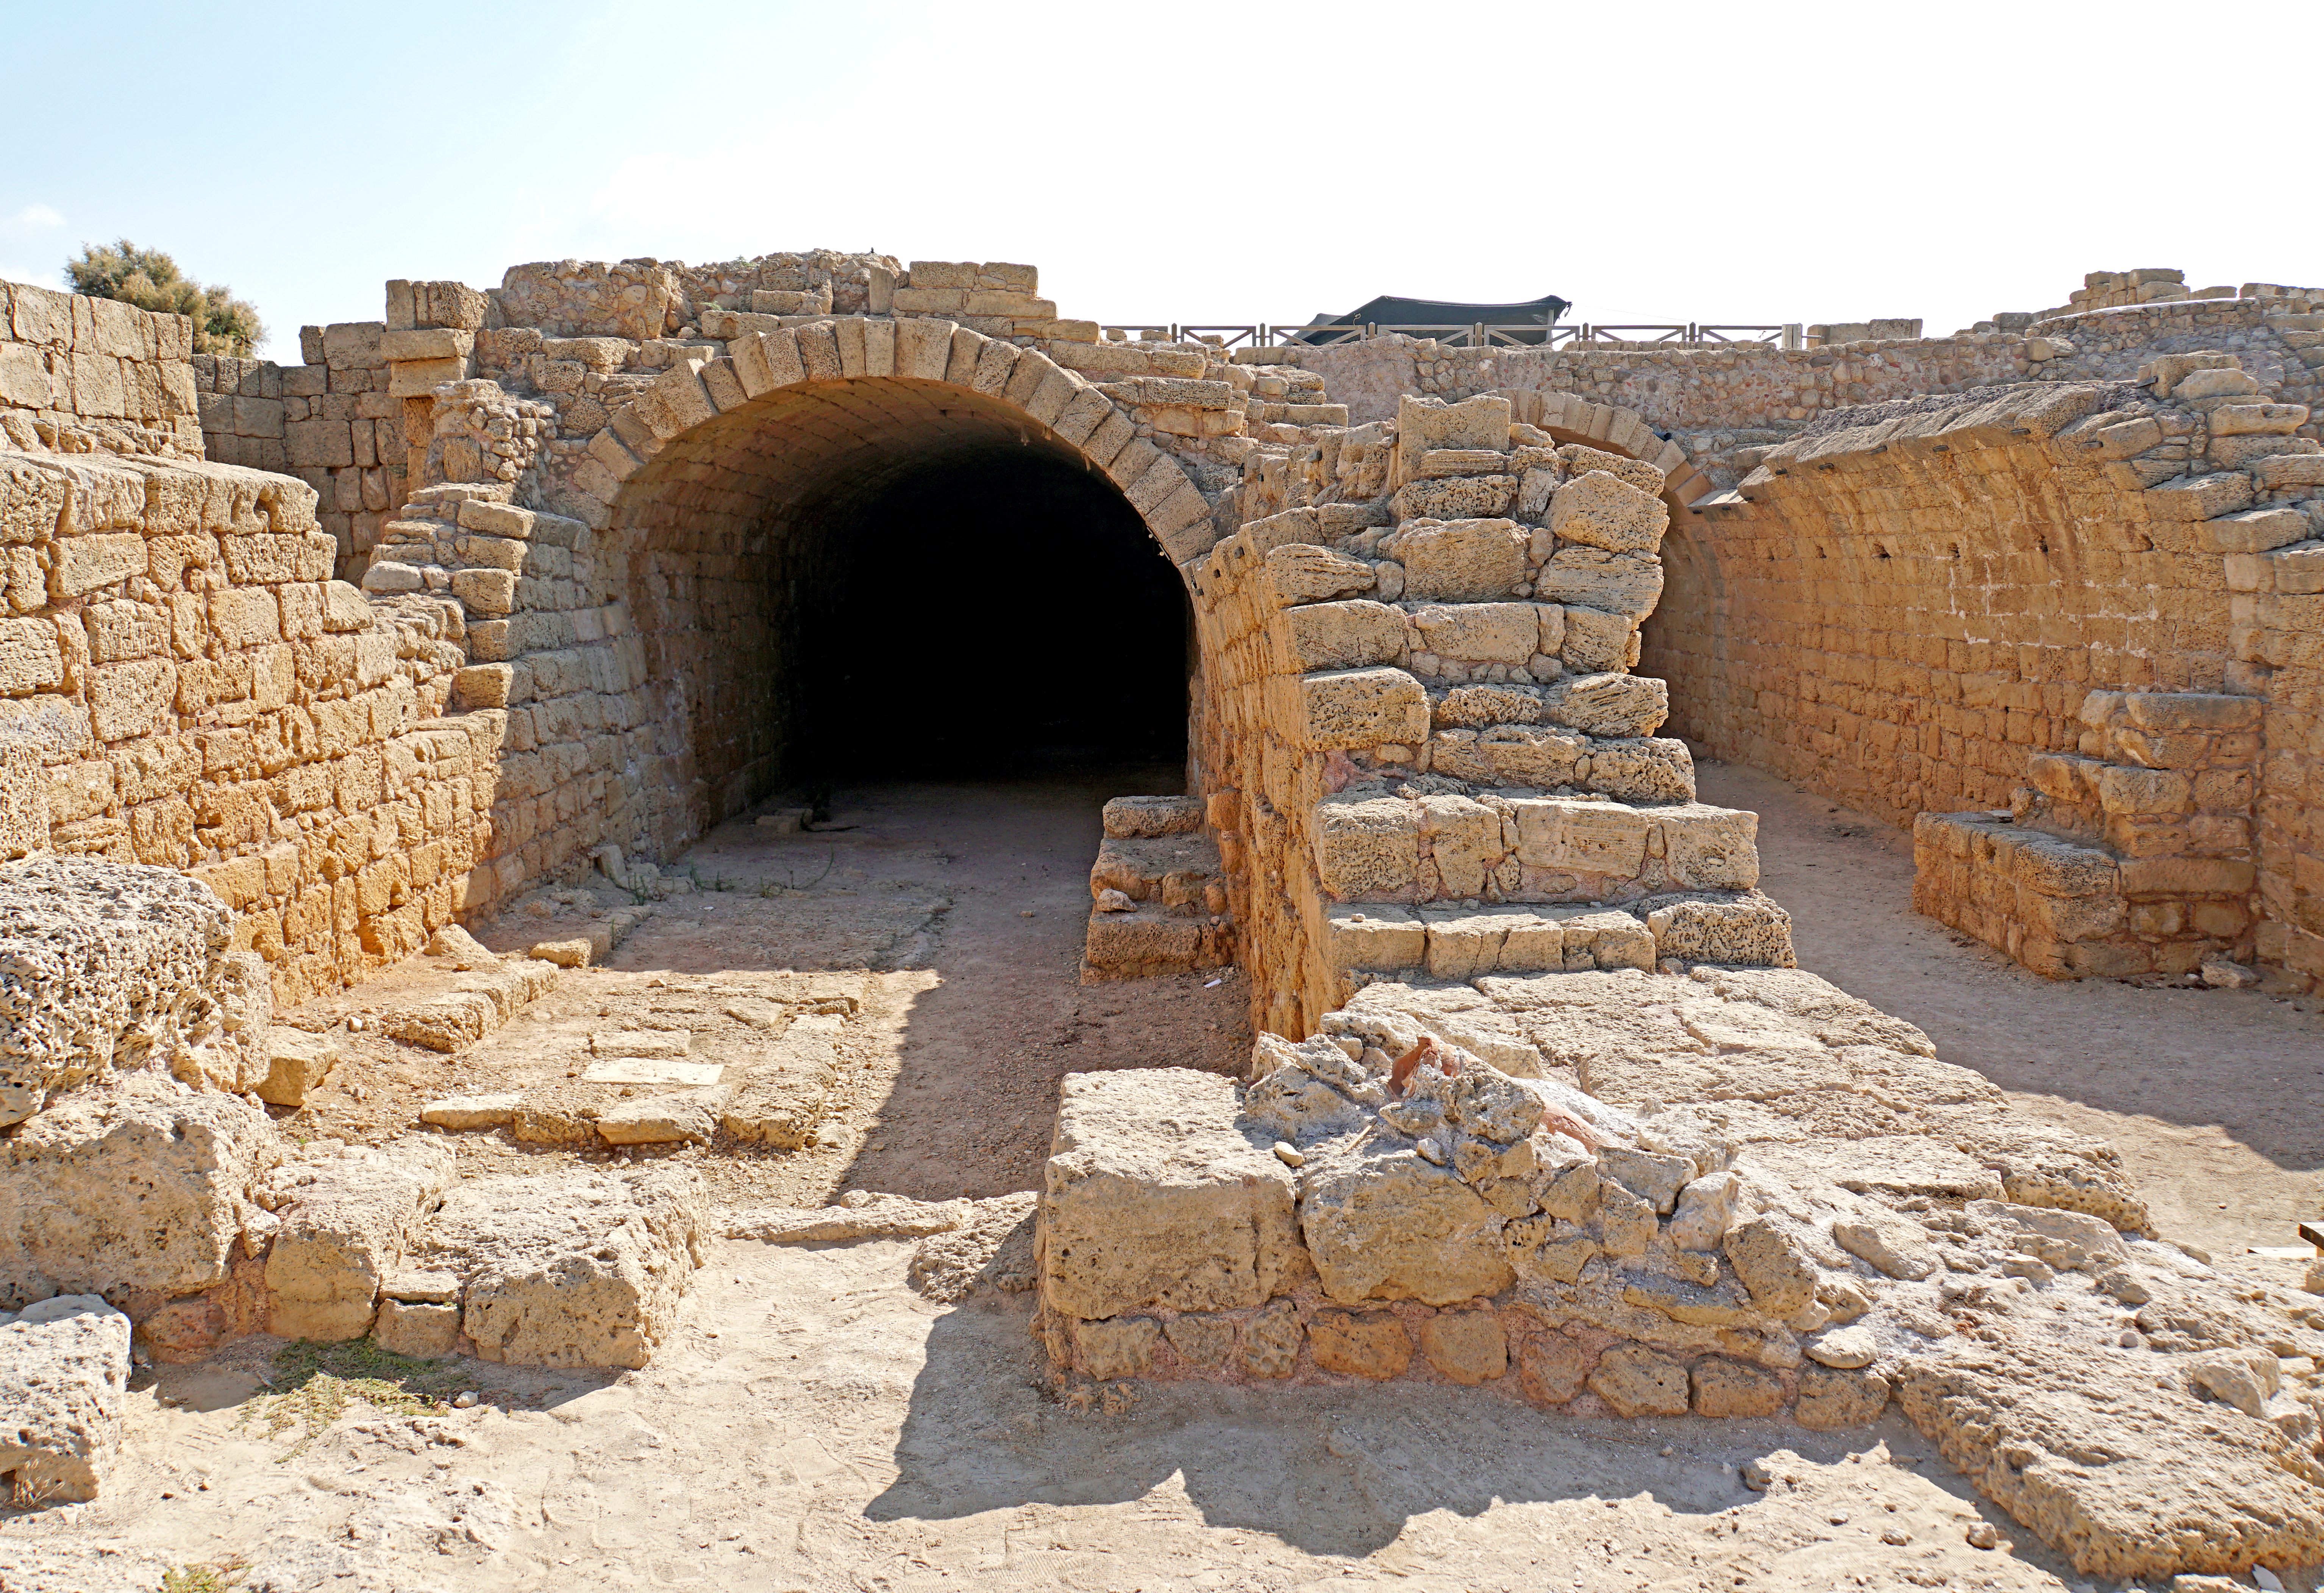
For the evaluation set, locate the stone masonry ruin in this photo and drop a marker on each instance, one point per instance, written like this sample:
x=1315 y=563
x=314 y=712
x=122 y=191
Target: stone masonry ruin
x=305 y=670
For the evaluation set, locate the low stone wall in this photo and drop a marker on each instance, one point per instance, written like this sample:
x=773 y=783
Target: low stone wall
x=1732 y=1193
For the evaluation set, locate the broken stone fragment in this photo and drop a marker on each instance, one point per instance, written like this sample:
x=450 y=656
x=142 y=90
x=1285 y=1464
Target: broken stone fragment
x=1897 y=1247
x=461 y=1113
x=1705 y=1206
x=1774 y=1266
x=1384 y=1224
x=1654 y=1178
x=346 y=1223
x=64 y=1370
x=1833 y=1398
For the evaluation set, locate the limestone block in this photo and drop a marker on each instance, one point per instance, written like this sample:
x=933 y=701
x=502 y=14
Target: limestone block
x=1200 y=1339
x=1652 y=1176
x=1580 y=458
x=1627 y=583
x=460 y=1113
x=1595 y=641
x=1599 y=510
x=1642 y=768
x=30 y=661
x=1359 y=1344
x=2257 y=419
x=1724 y=1388
x=1481 y=632
x=1573 y=835
x=64 y=1372
x=1708 y=848
x=1134 y=817
x=102 y=965
x=1387 y=1224
x=1474 y=497
x=128 y=1186
x=1340 y=636
x=1460 y=560
x=1477 y=707
x=1751 y=930
x=1636 y=1382
x=1359 y=708
x=570 y=1268
x=1899 y=1248
x=1120 y=1347
x=1829 y=1400
x=691 y=1117
x=1302 y=573
x=1466 y=1347
x=1371 y=936
x=420 y=1329
x=1705 y=1208
x=1463 y=944
x=1154 y=1196
x=296 y=1061
x=1519 y=755
x=1614 y=706
x=24 y=806
x=1424 y=425
x=1553 y=1368
x=443 y=1023
x=1271 y=1339
x=346 y=1223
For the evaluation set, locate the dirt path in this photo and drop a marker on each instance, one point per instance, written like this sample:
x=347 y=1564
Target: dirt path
x=2215 y=1098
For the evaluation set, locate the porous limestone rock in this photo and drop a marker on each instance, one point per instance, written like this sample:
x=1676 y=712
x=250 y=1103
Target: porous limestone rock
x=347 y=1221
x=1724 y=1388
x=103 y=966
x=1599 y=510
x=1359 y=1344
x=296 y=1061
x=1155 y=1196
x=1385 y=1223
x=1833 y=1398
x=1120 y=1347
x=1271 y=1337
x=134 y=1186
x=2126 y=1473
x=1636 y=1382
x=64 y=1369
x=1200 y=1339
x=1465 y=1346
x=570 y=1268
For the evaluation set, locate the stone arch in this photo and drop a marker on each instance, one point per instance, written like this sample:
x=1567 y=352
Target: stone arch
x=1064 y=404
x=1571 y=419
x=699 y=482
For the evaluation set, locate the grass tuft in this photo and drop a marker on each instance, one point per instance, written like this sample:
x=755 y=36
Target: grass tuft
x=314 y=1384
x=217 y=1576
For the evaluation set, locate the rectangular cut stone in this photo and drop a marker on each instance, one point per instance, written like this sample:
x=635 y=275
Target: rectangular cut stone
x=637 y=1070
x=1153 y=1196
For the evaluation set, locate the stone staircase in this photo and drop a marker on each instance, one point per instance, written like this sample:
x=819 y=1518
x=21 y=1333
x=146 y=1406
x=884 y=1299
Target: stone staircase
x=1159 y=893
x=1458 y=649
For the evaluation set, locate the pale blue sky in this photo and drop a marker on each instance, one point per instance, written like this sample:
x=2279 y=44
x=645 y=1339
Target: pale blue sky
x=1189 y=162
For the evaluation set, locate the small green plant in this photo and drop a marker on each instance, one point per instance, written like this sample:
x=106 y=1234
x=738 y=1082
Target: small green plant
x=151 y=280
x=217 y=1576
x=314 y=1384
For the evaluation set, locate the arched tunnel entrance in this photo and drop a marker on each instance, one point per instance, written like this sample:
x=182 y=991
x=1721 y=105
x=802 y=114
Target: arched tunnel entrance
x=886 y=578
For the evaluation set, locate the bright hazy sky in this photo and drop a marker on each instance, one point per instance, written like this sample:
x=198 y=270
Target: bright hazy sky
x=1190 y=161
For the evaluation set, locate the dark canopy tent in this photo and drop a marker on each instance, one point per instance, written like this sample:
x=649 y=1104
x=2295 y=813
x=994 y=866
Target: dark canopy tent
x=1515 y=320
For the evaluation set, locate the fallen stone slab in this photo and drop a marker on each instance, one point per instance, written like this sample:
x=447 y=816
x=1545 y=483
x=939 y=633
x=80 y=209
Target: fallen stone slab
x=663 y=1120
x=134 y=1186
x=881 y=1217
x=296 y=1063
x=568 y=1267
x=64 y=1369
x=462 y=1113
x=346 y=1223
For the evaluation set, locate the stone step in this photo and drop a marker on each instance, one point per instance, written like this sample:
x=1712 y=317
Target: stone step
x=1178 y=871
x=1379 y=845
x=1152 y=939
x=1732 y=928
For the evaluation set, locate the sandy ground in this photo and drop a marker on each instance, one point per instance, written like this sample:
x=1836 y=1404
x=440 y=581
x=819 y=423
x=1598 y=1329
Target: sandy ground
x=2215 y=1098
x=817 y=1424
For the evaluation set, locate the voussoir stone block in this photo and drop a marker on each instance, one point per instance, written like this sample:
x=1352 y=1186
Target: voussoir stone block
x=1154 y=1197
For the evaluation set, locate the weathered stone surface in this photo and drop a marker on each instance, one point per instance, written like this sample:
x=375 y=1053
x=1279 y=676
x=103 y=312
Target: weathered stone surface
x=1359 y=1344
x=129 y=1187
x=417 y=1328
x=296 y=1061
x=1200 y=1339
x=1465 y=1346
x=1123 y=1346
x=1729 y=1388
x=347 y=1222
x=570 y=1268
x=2126 y=1478
x=1773 y=1264
x=105 y=966
x=691 y=1117
x=1460 y=560
x=64 y=1370
x=1271 y=1339
x=1832 y=1399
x=1383 y=1223
x=1155 y=1197
x=1599 y=510
x=1897 y=1247
x=1636 y=1382
x=1553 y=1368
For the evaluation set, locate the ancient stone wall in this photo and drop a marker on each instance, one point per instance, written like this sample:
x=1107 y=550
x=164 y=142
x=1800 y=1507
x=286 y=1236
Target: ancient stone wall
x=78 y=373
x=198 y=694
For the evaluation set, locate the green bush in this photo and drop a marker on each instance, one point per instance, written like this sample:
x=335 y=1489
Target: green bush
x=151 y=280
